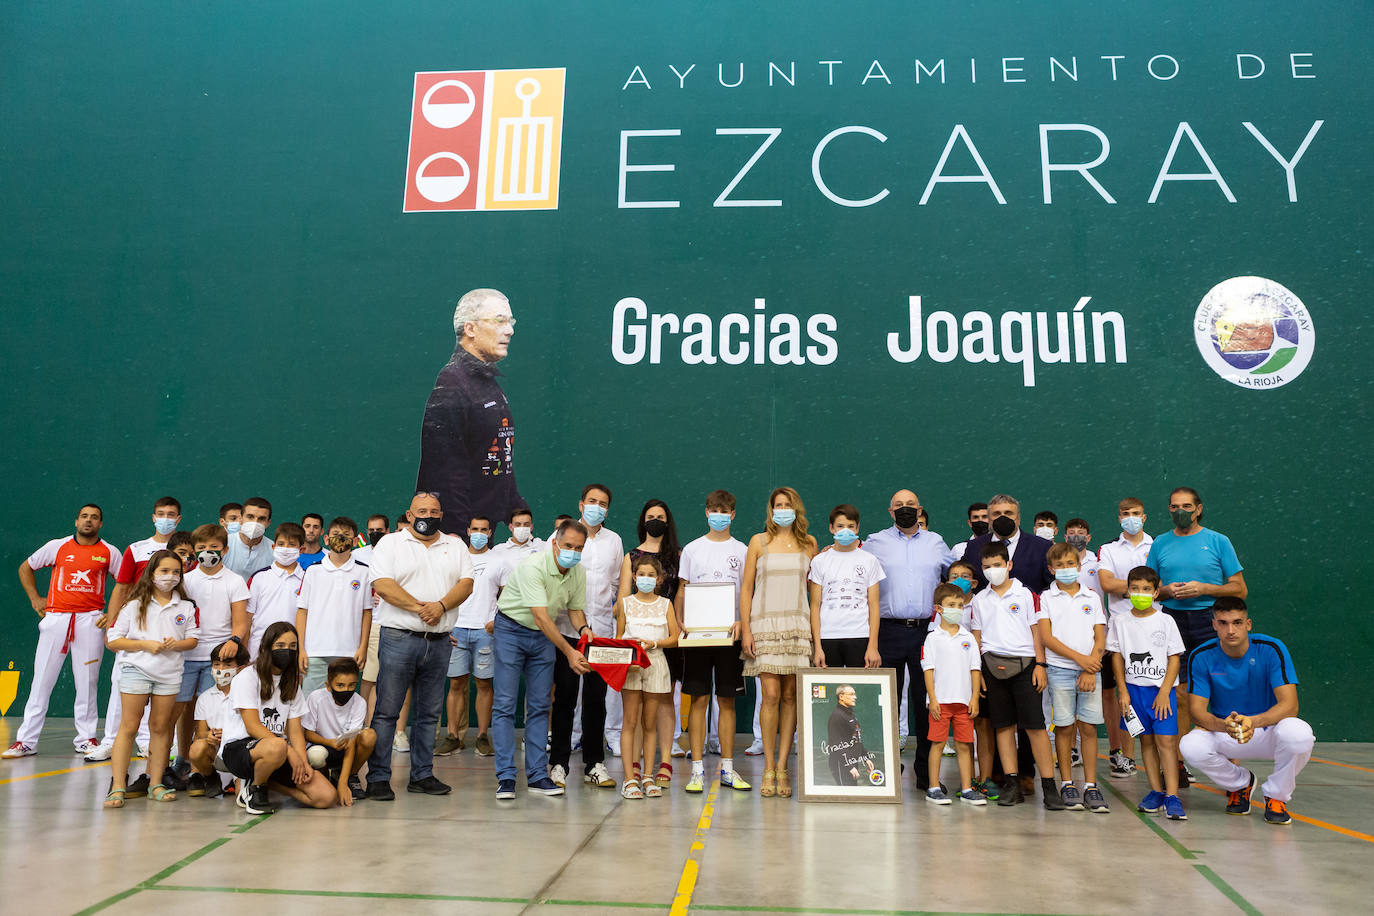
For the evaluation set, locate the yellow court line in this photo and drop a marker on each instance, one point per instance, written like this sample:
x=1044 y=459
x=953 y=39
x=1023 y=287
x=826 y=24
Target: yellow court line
x=89 y=766
x=687 y=883
x=1337 y=763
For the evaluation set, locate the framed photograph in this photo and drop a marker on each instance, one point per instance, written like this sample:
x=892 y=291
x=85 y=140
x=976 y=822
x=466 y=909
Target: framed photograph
x=848 y=748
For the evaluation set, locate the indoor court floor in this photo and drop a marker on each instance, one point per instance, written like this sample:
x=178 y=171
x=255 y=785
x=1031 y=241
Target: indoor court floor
x=722 y=852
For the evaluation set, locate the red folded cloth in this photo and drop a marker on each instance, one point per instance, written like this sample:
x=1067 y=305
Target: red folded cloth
x=612 y=658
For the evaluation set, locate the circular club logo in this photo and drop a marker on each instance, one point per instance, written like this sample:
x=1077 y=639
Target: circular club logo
x=875 y=777
x=1254 y=332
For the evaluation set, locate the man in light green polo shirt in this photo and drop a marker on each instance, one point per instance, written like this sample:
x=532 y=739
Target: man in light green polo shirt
x=542 y=587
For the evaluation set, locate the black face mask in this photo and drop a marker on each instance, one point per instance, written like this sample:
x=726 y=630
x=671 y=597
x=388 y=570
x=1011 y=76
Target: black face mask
x=425 y=526
x=906 y=516
x=655 y=527
x=341 y=697
x=283 y=658
x=1003 y=526
x=374 y=535
x=979 y=528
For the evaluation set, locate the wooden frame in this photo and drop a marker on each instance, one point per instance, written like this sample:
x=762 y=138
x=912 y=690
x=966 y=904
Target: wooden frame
x=877 y=758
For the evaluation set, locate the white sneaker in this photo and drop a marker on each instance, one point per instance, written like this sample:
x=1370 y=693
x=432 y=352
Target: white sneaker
x=86 y=746
x=142 y=751
x=101 y=751
x=949 y=749
x=400 y=744
x=678 y=751
x=755 y=749
x=19 y=750
x=613 y=746
x=713 y=747
x=901 y=745
x=598 y=776
x=559 y=775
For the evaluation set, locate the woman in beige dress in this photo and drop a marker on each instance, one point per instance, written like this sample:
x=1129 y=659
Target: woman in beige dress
x=775 y=627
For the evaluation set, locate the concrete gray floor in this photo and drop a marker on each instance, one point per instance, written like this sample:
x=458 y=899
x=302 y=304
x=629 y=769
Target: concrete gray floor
x=591 y=850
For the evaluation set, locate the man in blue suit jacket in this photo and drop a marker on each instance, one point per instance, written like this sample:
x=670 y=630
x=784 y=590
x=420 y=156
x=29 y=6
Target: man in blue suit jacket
x=1029 y=553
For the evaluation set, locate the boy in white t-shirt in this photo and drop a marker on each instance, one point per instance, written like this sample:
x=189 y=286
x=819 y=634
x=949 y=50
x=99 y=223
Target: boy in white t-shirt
x=272 y=591
x=333 y=722
x=844 y=598
x=212 y=711
x=334 y=607
x=1149 y=650
x=1073 y=629
x=953 y=674
x=472 y=657
x=1115 y=560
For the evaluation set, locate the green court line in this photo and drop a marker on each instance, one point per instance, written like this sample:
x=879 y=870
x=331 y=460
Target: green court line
x=1149 y=821
x=166 y=872
x=108 y=901
x=244 y=828
x=1228 y=890
x=364 y=895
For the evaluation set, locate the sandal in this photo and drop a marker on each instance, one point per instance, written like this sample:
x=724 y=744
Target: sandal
x=664 y=776
x=651 y=789
x=769 y=787
x=631 y=789
x=115 y=798
x=160 y=793
x=784 y=785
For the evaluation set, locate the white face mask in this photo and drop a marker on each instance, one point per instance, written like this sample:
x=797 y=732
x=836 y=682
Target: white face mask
x=286 y=555
x=223 y=675
x=252 y=530
x=1045 y=532
x=996 y=575
x=952 y=615
x=166 y=583
x=521 y=533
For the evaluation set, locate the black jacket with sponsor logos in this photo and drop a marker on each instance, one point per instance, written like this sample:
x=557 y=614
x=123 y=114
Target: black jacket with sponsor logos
x=845 y=746
x=467 y=444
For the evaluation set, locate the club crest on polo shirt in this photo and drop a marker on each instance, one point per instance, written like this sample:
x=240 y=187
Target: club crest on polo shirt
x=1087 y=608
x=1013 y=608
x=355 y=584
x=179 y=619
x=965 y=643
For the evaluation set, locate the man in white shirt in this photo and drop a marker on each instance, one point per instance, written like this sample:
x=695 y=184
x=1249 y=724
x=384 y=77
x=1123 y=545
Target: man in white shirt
x=249 y=550
x=601 y=558
x=421 y=576
x=472 y=653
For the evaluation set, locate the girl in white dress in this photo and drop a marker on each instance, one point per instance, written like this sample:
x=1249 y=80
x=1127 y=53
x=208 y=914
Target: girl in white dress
x=648 y=618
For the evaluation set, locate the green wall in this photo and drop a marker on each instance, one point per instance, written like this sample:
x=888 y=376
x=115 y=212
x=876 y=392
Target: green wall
x=210 y=288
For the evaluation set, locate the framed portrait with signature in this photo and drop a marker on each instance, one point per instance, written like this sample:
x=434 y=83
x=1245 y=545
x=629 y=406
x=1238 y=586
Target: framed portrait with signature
x=848 y=748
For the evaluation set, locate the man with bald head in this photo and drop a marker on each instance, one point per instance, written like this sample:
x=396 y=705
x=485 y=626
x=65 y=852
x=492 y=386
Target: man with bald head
x=467 y=438
x=914 y=562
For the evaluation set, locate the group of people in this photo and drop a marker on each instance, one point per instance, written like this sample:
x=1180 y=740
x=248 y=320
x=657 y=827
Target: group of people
x=302 y=663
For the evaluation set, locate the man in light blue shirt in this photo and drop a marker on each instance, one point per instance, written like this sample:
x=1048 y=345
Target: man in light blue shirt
x=913 y=562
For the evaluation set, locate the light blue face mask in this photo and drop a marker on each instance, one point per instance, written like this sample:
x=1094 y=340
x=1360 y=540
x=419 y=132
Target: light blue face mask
x=478 y=539
x=784 y=517
x=233 y=527
x=569 y=558
x=646 y=584
x=846 y=536
x=593 y=515
x=164 y=526
x=1066 y=576
x=964 y=583
x=1132 y=524
x=718 y=521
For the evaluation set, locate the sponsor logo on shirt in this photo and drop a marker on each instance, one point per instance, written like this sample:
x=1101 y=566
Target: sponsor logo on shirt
x=734 y=562
x=1143 y=665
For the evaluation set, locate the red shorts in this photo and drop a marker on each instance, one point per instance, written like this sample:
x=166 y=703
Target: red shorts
x=953 y=717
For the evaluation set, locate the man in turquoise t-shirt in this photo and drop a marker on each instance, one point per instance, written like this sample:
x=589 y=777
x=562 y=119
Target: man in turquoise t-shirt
x=1245 y=706
x=1196 y=566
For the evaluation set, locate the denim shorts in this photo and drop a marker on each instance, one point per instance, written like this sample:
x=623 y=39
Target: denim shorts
x=135 y=683
x=1070 y=704
x=473 y=654
x=196 y=678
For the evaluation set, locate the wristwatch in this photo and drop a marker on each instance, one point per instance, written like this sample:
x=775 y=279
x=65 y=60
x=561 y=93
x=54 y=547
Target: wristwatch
x=235 y=639
x=1042 y=664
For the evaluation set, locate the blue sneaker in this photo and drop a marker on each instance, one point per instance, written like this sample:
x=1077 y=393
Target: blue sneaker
x=505 y=790
x=1072 y=798
x=1152 y=803
x=1173 y=808
x=545 y=786
x=973 y=797
x=937 y=795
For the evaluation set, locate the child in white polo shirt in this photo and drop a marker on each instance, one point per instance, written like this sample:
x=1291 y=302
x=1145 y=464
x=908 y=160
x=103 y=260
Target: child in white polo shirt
x=844 y=598
x=1079 y=536
x=212 y=710
x=1013 y=673
x=273 y=590
x=334 y=615
x=1115 y=560
x=952 y=666
x=1073 y=629
x=333 y=723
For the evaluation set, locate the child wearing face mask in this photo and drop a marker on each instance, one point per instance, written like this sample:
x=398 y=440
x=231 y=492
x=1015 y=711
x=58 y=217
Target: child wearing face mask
x=334 y=606
x=333 y=723
x=212 y=711
x=952 y=667
x=960 y=574
x=273 y=590
x=1046 y=525
x=154 y=628
x=842 y=587
x=647 y=617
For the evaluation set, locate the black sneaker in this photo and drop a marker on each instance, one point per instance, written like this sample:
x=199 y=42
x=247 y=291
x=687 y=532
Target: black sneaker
x=355 y=785
x=1072 y=798
x=380 y=791
x=1185 y=779
x=1011 y=794
x=213 y=787
x=195 y=786
x=1238 y=802
x=138 y=788
x=255 y=800
x=1052 y=800
x=1094 y=800
x=429 y=786
x=173 y=780
x=1276 y=812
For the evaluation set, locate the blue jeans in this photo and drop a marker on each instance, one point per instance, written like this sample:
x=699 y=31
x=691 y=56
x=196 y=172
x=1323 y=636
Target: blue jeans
x=408 y=663
x=520 y=651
